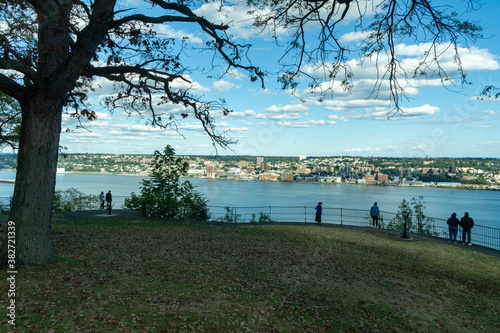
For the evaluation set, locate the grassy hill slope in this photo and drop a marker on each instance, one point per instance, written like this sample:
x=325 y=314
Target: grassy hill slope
x=131 y=275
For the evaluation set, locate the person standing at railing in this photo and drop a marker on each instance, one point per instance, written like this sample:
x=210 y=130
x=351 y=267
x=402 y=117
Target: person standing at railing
x=319 y=211
x=375 y=212
x=109 y=199
x=103 y=199
x=453 y=223
x=467 y=224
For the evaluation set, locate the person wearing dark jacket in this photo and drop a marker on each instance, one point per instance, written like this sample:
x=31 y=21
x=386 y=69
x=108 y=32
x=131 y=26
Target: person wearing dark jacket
x=109 y=199
x=453 y=223
x=374 y=213
x=319 y=211
x=467 y=224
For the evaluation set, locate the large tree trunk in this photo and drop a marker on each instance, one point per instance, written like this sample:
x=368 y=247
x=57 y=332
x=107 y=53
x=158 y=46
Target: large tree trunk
x=31 y=209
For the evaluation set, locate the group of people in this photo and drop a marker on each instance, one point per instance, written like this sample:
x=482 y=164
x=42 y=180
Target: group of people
x=374 y=212
x=466 y=222
x=105 y=199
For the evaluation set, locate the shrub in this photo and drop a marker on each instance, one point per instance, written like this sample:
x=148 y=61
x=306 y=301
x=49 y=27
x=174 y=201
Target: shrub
x=164 y=195
x=71 y=200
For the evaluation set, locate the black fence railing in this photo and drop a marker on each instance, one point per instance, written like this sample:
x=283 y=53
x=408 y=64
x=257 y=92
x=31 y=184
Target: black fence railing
x=481 y=235
x=437 y=227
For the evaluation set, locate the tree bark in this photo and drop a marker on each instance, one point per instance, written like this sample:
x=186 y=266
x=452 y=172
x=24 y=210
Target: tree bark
x=31 y=208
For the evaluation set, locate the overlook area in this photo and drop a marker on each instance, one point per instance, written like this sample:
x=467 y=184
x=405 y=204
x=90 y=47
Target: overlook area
x=172 y=276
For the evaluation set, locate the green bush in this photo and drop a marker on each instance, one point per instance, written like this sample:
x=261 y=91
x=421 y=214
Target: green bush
x=72 y=200
x=164 y=195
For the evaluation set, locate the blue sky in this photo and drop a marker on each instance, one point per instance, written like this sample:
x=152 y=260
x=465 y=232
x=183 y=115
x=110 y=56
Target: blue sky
x=441 y=121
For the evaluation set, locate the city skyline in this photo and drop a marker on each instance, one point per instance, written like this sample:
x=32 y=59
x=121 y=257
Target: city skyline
x=440 y=121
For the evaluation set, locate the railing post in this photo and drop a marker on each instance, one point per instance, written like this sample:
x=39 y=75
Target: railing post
x=341 y=222
x=305 y=214
x=235 y=217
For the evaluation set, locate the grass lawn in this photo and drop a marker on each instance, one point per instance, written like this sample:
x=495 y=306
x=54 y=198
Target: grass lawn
x=130 y=276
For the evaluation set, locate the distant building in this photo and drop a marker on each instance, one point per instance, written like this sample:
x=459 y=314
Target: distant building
x=260 y=160
x=382 y=178
x=242 y=164
x=301 y=158
x=210 y=171
x=287 y=177
x=268 y=176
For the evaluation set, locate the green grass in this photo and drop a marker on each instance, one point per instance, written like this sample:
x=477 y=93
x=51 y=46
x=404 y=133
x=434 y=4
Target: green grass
x=126 y=276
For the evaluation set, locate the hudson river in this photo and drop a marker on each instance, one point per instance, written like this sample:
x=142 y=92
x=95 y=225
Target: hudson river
x=483 y=206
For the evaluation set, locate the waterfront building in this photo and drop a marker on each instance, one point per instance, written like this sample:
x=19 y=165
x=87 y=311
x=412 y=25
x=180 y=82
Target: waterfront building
x=287 y=177
x=210 y=171
x=268 y=176
x=382 y=178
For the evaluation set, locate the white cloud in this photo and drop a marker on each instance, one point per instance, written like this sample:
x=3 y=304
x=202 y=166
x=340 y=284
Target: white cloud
x=170 y=32
x=303 y=124
x=244 y=114
x=187 y=83
x=354 y=36
x=103 y=116
x=288 y=116
x=423 y=110
x=287 y=108
x=221 y=85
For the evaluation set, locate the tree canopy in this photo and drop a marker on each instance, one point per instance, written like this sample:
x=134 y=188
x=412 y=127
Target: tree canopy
x=319 y=44
x=10 y=121
x=51 y=54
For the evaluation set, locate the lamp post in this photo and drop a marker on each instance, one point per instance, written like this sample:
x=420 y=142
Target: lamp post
x=405 y=214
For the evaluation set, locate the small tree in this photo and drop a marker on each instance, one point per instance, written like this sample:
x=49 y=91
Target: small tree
x=417 y=221
x=398 y=222
x=164 y=195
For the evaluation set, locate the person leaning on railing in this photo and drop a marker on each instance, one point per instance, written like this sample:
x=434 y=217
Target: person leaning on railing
x=467 y=224
x=453 y=223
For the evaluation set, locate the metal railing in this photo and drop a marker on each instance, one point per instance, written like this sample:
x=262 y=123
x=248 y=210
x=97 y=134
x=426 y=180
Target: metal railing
x=437 y=227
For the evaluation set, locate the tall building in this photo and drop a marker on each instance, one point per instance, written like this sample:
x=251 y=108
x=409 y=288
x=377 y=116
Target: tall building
x=260 y=160
x=210 y=171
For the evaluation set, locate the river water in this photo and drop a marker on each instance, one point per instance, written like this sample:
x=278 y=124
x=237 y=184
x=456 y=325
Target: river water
x=483 y=206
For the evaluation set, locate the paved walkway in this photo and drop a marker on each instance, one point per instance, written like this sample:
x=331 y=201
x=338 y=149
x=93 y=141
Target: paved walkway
x=130 y=214
x=98 y=214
